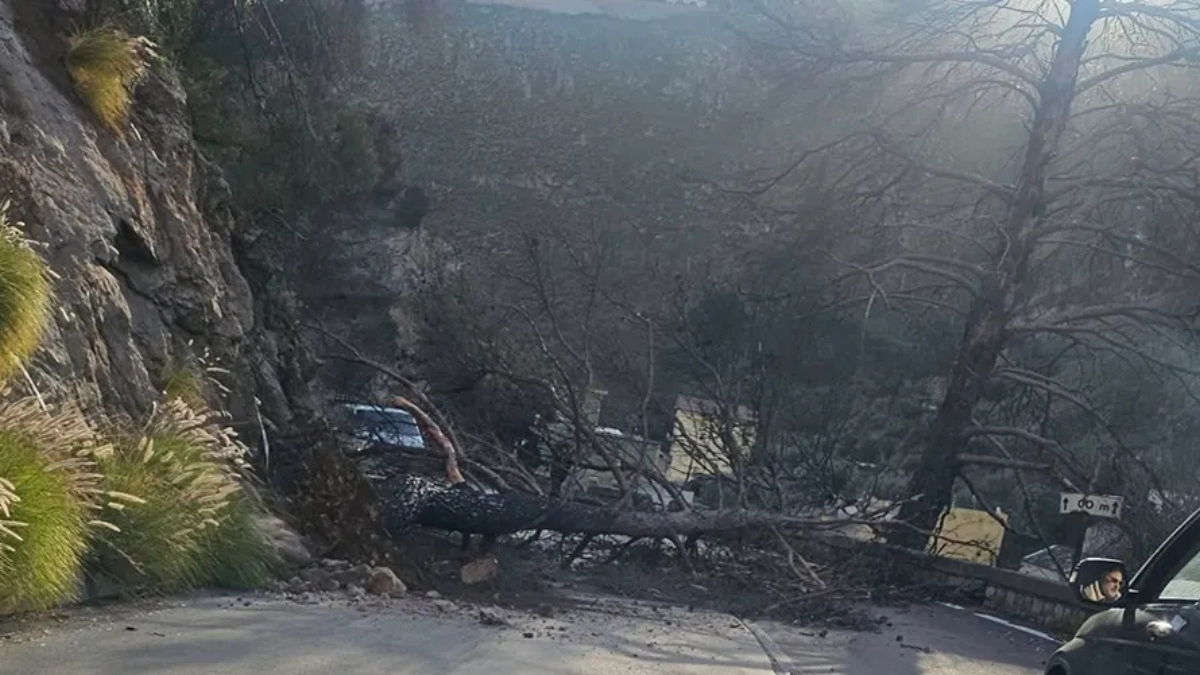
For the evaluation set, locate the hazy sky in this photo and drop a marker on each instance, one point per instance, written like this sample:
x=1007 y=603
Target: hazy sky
x=629 y=9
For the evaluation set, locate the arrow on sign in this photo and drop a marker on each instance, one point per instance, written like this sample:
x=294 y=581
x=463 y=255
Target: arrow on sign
x=1100 y=506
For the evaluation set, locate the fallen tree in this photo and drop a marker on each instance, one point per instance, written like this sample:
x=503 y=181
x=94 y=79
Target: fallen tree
x=408 y=501
x=418 y=501
x=785 y=565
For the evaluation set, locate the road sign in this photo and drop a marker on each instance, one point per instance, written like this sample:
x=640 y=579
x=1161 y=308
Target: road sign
x=1101 y=506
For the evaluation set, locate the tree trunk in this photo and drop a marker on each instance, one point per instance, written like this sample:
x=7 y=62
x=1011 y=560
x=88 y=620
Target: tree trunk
x=413 y=501
x=986 y=333
x=934 y=477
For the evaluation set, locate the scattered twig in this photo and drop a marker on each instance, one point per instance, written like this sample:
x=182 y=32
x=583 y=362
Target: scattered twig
x=577 y=551
x=792 y=556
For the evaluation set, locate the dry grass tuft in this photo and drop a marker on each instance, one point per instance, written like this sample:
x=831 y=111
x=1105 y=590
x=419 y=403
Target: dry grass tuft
x=47 y=488
x=25 y=293
x=105 y=63
x=193 y=527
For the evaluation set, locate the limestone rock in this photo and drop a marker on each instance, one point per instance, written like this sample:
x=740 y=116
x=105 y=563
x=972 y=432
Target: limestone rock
x=288 y=545
x=384 y=582
x=480 y=570
x=491 y=617
x=359 y=575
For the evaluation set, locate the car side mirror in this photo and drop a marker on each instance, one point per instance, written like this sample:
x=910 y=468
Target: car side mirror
x=1100 y=582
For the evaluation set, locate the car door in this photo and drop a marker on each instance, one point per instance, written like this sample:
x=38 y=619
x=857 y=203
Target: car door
x=1177 y=604
x=1159 y=632
x=1161 y=635
x=1116 y=643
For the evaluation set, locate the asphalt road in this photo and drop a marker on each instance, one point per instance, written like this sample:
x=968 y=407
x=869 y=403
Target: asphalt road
x=917 y=640
x=208 y=636
x=261 y=635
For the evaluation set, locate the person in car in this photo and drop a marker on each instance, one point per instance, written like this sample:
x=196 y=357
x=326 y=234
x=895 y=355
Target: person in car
x=1107 y=588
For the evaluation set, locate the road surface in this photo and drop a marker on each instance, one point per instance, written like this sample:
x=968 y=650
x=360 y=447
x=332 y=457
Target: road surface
x=917 y=640
x=263 y=635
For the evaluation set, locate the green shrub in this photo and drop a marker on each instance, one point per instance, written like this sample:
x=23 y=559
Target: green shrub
x=186 y=384
x=105 y=63
x=237 y=553
x=24 y=296
x=192 y=528
x=8 y=527
x=45 y=497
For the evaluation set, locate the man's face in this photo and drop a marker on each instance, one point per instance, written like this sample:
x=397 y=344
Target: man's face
x=1111 y=584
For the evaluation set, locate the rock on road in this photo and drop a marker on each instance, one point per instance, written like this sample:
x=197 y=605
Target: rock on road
x=261 y=635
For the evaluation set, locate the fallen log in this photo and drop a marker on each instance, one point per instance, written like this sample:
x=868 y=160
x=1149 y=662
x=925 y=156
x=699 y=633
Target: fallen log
x=408 y=501
x=415 y=501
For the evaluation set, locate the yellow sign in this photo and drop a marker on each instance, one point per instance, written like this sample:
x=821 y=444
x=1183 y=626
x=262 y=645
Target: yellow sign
x=970 y=535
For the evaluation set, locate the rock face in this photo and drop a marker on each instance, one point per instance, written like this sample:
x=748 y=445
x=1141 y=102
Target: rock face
x=140 y=231
x=516 y=110
x=369 y=258
x=520 y=114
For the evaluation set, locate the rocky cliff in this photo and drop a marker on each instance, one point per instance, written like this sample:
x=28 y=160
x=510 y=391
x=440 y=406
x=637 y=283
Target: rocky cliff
x=525 y=113
x=352 y=282
x=154 y=266
x=632 y=106
x=505 y=114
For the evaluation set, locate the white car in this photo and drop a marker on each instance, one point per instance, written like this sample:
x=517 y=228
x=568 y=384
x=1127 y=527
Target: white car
x=383 y=428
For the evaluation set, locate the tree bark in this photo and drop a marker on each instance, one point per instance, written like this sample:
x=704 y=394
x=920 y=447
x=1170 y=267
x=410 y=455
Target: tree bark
x=986 y=333
x=413 y=501
x=932 y=483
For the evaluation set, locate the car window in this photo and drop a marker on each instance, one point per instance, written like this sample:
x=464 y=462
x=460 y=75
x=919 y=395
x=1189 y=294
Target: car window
x=386 y=418
x=1186 y=583
x=372 y=417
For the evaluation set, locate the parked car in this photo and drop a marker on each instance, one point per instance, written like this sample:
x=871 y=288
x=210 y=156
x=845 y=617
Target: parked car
x=379 y=428
x=1148 y=624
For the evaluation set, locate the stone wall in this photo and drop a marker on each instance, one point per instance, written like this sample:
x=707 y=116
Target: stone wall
x=1047 y=604
x=1040 y=602
x=1037 y=601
